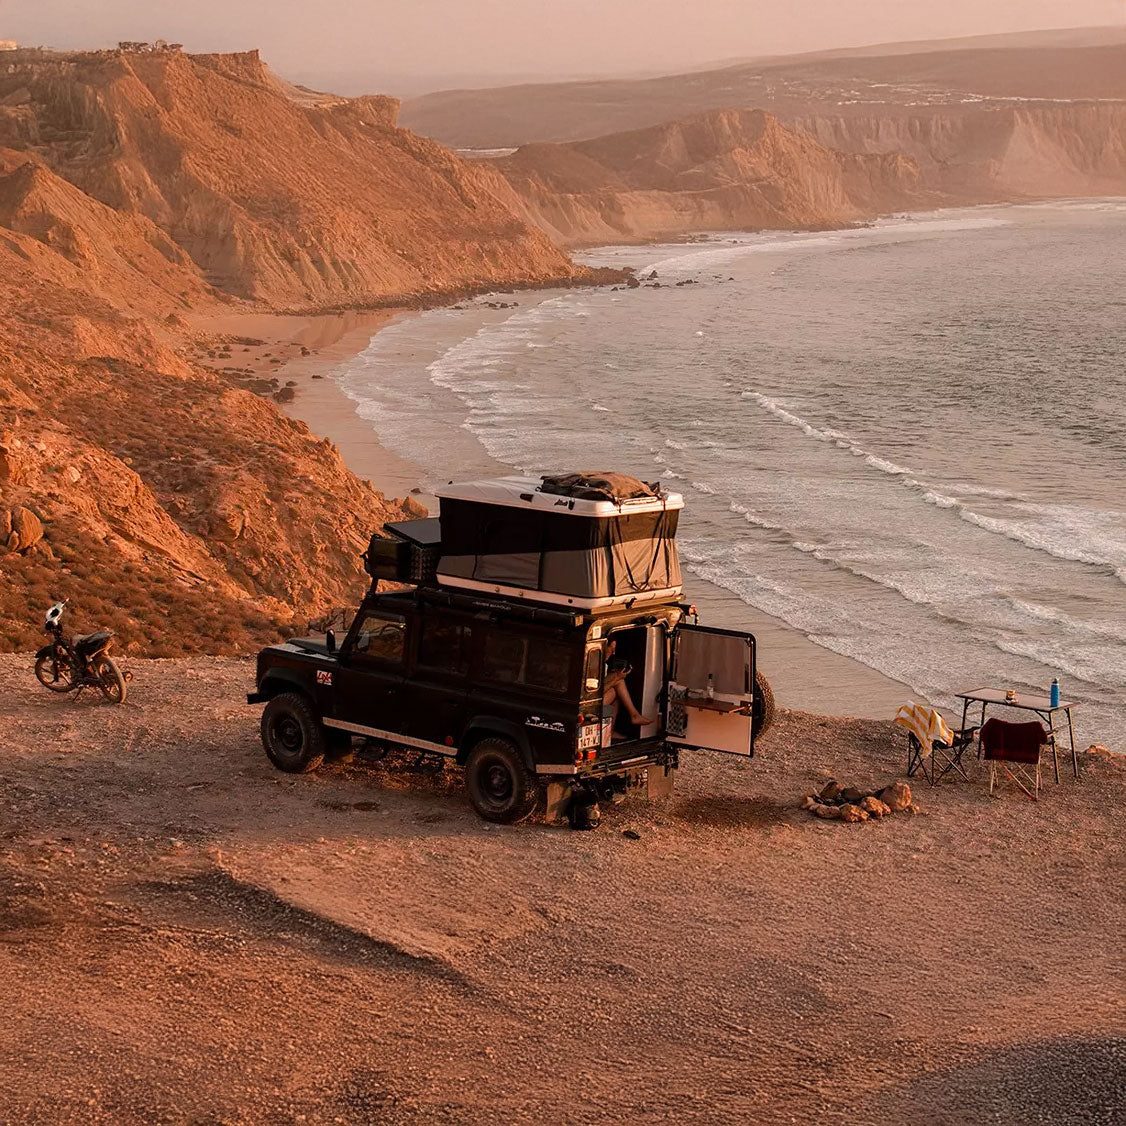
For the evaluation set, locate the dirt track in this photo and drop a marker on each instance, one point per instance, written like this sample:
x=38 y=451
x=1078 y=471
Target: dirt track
x=188 y=936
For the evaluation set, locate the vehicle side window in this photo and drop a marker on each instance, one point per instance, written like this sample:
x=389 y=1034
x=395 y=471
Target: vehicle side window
x=444 y=646
x=548 y=666
x=592 y=670
x=381 y=638
x=535 y=662
x=504 y=658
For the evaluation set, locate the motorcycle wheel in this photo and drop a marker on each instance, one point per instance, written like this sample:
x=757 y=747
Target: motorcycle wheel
x=110 y=680
x=55 y=674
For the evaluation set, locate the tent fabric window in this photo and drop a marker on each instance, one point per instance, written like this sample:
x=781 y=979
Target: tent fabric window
x=560 y=553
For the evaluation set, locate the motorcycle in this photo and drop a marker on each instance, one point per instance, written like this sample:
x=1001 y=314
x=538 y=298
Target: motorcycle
x=72 y=664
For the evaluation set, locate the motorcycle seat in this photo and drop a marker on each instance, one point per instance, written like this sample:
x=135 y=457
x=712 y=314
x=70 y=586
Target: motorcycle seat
x=93 y=640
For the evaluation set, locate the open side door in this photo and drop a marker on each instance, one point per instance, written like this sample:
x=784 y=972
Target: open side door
x=710 y=698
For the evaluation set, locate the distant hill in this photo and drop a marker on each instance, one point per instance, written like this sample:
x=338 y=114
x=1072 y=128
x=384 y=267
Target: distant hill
x=743 y=169
x=896 y=80
x=724 y=170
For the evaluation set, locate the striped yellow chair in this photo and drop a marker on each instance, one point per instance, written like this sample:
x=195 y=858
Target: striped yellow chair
x=931 y=746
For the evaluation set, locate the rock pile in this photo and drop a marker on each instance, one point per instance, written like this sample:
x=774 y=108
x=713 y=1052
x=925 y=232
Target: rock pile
x=846 y=803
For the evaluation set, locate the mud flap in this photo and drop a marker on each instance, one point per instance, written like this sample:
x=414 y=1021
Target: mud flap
x=660 y=781
x=558 y=795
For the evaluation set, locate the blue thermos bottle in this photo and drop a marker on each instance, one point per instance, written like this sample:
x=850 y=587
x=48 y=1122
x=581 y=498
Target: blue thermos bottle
x=1055 y=691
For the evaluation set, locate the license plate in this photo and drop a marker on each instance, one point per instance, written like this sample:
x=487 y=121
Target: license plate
x=590 y=736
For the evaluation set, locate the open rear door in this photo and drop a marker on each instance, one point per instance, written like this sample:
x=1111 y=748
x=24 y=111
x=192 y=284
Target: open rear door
x=711 y=690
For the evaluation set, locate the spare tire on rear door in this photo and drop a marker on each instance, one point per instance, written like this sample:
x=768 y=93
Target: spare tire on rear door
x=762 y=710
x=500 y=785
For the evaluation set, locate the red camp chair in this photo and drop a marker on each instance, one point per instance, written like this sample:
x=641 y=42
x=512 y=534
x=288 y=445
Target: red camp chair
x=1015 y=748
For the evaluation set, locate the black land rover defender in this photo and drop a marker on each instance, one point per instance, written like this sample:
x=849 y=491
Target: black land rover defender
x=513 y=692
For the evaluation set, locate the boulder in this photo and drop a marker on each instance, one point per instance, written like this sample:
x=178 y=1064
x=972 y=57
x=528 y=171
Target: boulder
x=826 y=812
x=12 y=464
x=897 y=796
x=809 y=801
x=1098 y=749
x=852 y=813
x=874 y=807
x=26 y=529
x=416 y=510
x=830 y=791
x=852 y=794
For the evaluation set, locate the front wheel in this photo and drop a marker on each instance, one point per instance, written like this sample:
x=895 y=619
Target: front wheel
x=292 y=734
x=53 y=669
x=110 y=680
x=500 y=785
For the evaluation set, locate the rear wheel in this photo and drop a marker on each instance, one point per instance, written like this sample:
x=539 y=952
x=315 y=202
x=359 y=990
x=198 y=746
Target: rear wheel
x=763 y=708
x=500 y=785
x=292 y=734
x=54 y=671
x=110 y=680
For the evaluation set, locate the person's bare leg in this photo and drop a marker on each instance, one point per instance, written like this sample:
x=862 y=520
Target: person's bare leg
x=627 y=702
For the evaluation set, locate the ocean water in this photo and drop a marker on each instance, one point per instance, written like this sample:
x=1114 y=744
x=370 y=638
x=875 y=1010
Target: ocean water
x=907 y=441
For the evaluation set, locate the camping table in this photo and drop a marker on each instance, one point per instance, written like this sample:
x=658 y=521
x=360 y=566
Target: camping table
x=1040 y=705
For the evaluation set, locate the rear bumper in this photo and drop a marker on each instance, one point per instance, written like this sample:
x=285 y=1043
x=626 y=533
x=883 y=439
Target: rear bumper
x=629 y=759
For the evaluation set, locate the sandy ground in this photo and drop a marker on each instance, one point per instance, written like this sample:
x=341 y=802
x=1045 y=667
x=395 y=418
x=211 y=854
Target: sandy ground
x=188 y=936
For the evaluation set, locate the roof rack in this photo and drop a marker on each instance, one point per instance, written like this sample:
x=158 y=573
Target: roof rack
x=477 y=603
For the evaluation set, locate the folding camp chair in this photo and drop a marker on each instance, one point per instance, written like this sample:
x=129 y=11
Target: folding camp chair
x=1015 y=749
x=943 y=757
x=931 y=746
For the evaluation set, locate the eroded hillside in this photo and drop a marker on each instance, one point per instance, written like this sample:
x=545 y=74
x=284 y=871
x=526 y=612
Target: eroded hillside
x=186 y=514
x=138 y=187
x=295 y=200
x=727 y=170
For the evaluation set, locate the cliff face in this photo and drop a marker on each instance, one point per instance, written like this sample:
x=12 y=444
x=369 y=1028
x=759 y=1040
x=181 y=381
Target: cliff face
x=719 y=171
x=976 y=155
x=273 y=193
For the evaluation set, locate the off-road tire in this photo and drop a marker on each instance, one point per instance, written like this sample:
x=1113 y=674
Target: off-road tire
x=500 y=785
x=762 y=710
x=45 y=672
x=111 y=682
x=292 y=734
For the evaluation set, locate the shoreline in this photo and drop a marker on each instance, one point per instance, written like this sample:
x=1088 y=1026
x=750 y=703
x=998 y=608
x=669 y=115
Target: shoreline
x=805 y=676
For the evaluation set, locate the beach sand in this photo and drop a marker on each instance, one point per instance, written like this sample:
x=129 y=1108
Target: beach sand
x=803 y=674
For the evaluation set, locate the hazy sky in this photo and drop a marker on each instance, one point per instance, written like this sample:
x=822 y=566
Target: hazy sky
x=422 y=43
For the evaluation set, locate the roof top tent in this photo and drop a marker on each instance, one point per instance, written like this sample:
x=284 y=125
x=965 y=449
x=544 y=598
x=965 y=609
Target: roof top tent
x=591 y=541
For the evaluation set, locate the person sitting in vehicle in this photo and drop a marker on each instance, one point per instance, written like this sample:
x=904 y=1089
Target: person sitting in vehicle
x=615 y=693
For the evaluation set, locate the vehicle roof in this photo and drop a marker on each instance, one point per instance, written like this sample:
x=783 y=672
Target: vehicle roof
x=519 y=608
x=525 y=492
